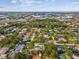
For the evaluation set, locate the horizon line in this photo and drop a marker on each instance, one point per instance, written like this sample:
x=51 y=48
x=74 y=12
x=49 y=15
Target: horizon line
x=39 y=11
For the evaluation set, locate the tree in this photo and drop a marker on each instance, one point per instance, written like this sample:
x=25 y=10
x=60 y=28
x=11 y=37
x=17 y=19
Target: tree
x=20 y=56
x=66 y=57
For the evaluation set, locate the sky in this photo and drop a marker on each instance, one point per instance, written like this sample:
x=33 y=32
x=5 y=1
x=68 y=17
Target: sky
x=39 y=5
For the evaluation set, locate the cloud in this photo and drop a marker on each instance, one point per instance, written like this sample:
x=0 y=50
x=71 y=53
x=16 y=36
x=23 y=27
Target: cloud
x=75 y=3
x=30 y=2
x=3 y=8
x=14 y=1
x=42 y=5
x=74 y=6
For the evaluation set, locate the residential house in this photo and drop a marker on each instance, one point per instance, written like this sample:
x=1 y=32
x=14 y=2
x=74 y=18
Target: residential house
x=39 y=46
x=2 y=37
x=3 y=52
x=61 y=38
x=36 y=57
